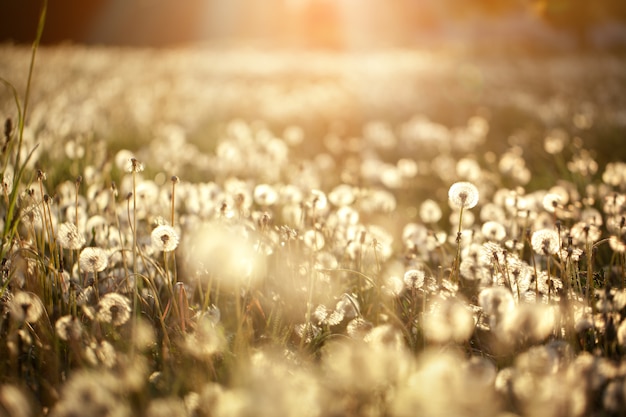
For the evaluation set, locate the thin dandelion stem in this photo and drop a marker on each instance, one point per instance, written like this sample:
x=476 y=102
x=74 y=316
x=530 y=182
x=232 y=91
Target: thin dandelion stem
x=174 y=182
x=134 y=222
x=457 y=260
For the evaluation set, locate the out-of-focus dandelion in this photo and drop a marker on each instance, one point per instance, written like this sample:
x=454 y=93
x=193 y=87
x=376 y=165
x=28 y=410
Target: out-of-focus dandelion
x=114 y=308
x=68 y=328
x=615 y=174
x=164 y=238
x=552 y=201
x=468 y=168
x=226 y=253
x=206 y=341
x=430 y=212
x=90 y=392
x=582 y=233
x=448 y=321
x=493 y=230
x=617 y=244
x=14 y=402
x=342 y=195
x=26 y=307
x=496 y=303
x=265 y=195
x=555 y=141
x=313 y=239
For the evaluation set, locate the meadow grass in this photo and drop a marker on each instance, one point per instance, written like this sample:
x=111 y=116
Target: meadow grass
x=244 y=233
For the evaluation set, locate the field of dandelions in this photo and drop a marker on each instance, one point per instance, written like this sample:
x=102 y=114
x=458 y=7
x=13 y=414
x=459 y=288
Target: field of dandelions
x=259 y=233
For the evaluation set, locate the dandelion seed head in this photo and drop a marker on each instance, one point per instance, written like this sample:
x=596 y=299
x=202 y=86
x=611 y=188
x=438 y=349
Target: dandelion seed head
x=583 y=232
x=614 y=174
x=385 y=336
x=113 y=308
x=164 y=238
x=571 y=253
x=390 y=176
x=621 y=334
x=407 y=168
x=538 y=361
x=26 y=307
x=415 y=234
x=591 y=216
x=583 y=164
x=377 y=200
x=313 y=239
x=207 y=340
x=511 y=161
x=342 y=195
x=166 y=407
x=346 y=216
x=468 y=168
x=325 y=260
x=393 y=285
x=358 y=328
x=321 y=313
x=555 y=141
x=93 y=259
x=293 y=135
x=614 y=397
x=348 y=306
x=430 y=212
x=448 y=320
x=493 y=230
x=463 y=195
x=14 y=402
x=496 y=303
x=102 y=354
x=414 y=278
x=265 y=195
x=529 y=322
x=545 y=242
x=318 y=201
x=481 y=370
x=472 y=271
x=307 y=333
x=68 y=328
x=226 y=252
x=69 y=237
x=491 y=253
x=134 y=165
x=492 y=212
x=551 y=201
x=93 y=393
x=617 y=244
x=32 y=216
x=290 y=193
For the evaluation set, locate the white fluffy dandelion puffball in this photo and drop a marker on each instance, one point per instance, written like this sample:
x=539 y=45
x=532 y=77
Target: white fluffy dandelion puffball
x=463 y=195
x=164 y=238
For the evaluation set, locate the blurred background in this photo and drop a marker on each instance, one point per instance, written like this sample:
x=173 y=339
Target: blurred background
x=533 y=25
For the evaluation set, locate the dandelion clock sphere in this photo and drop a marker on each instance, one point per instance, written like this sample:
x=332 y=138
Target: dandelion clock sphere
x=164 y=238
x=463 y=195
x=545 y=242
x=93 y=259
